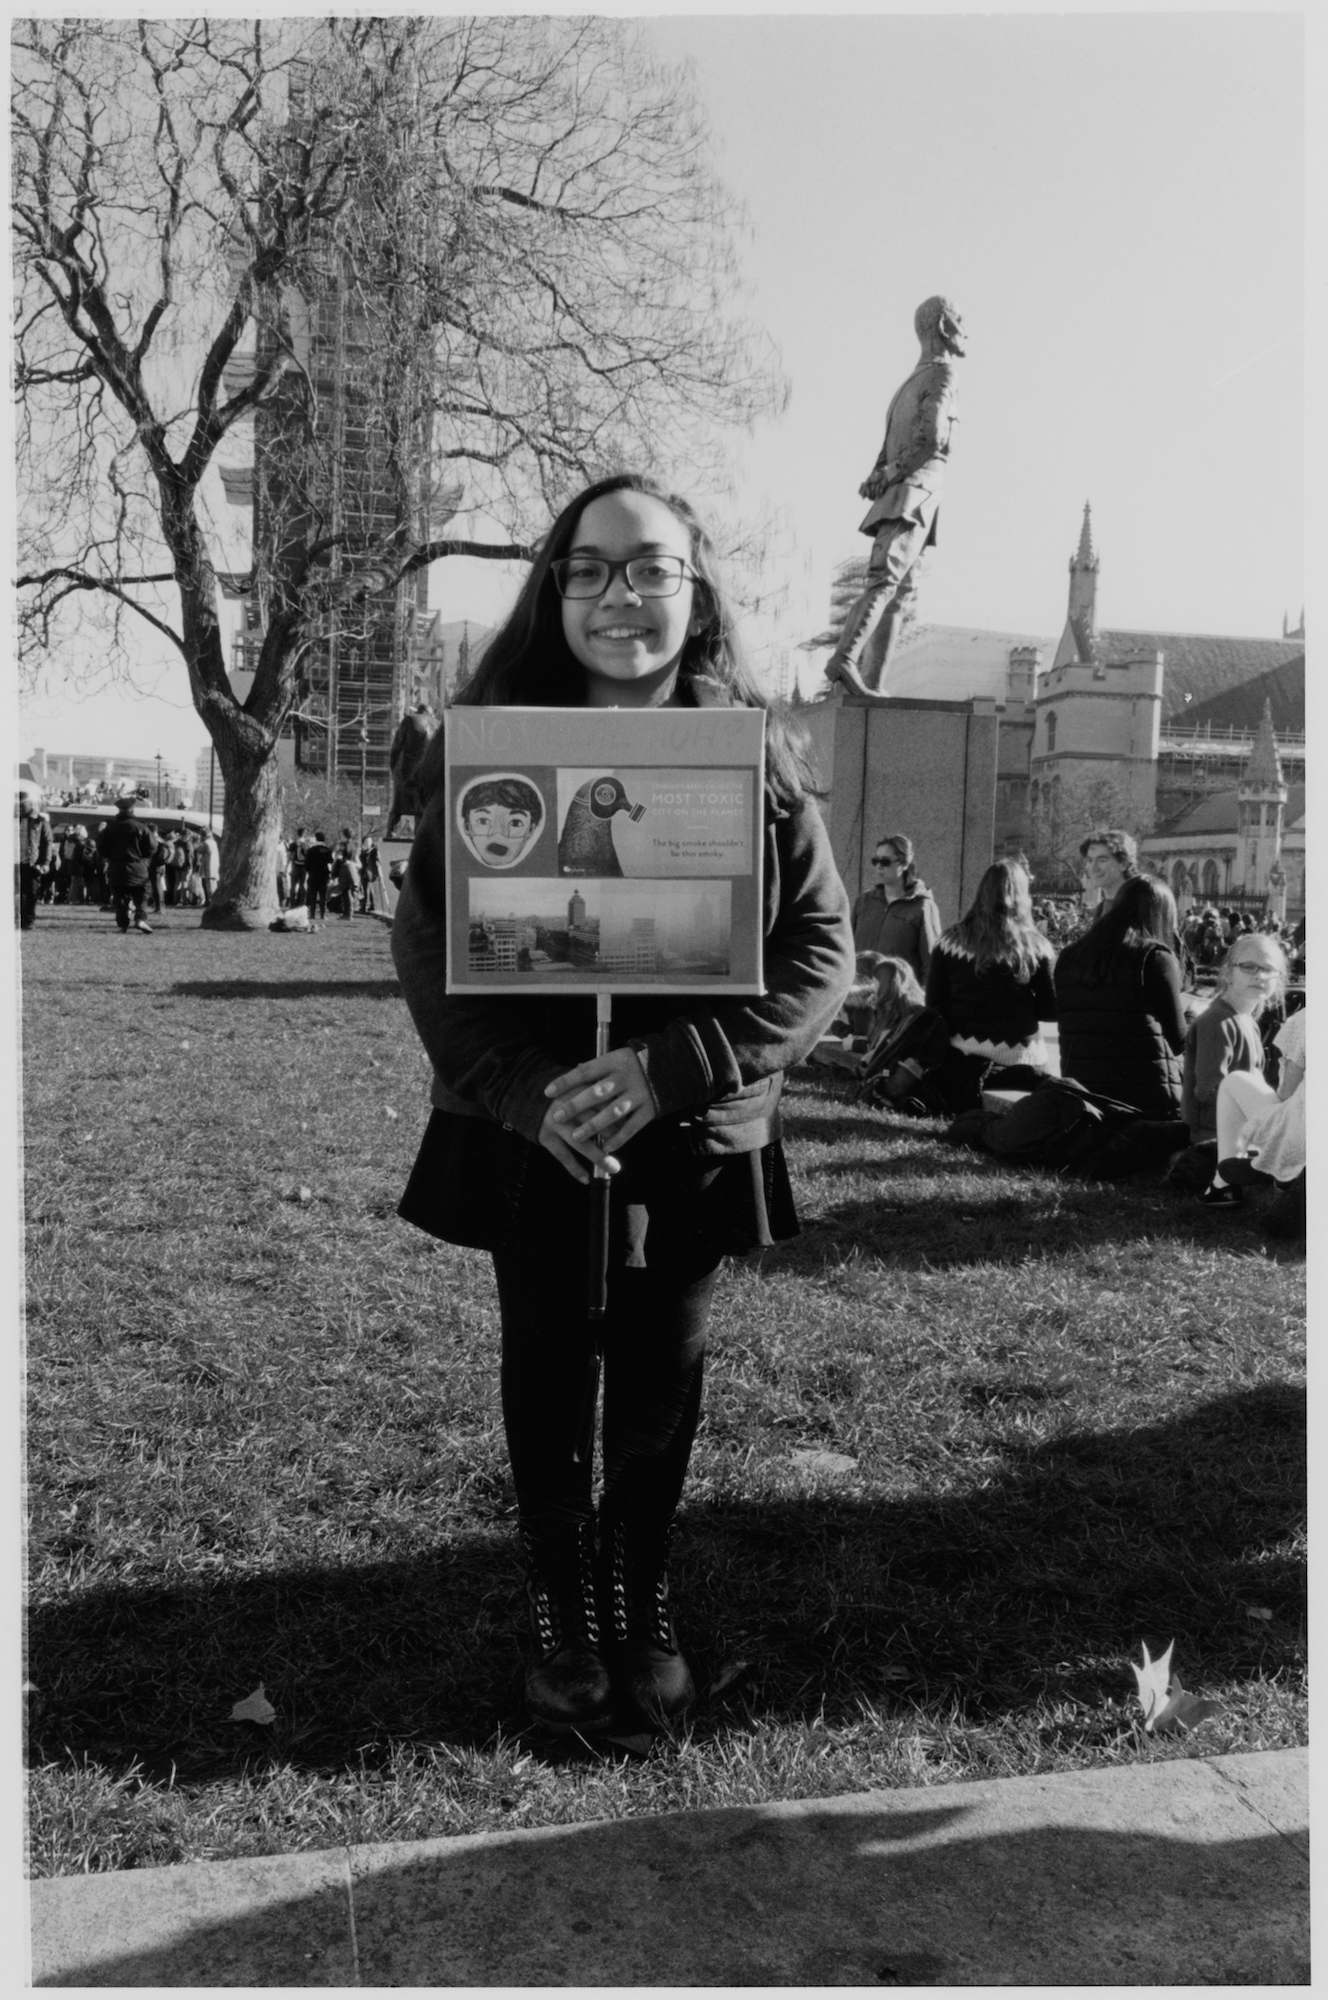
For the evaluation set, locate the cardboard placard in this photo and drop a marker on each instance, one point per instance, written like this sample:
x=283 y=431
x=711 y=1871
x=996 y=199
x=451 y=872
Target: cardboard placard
x=604 y=850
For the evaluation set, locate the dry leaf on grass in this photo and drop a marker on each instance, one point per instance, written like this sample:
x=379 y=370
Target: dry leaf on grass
x=1165 y=1703
x=824 y=1461
x=254 y=1708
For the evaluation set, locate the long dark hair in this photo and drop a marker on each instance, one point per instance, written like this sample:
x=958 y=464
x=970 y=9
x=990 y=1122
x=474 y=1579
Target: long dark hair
x=1144 y=913
x=999 y=927
x=528 y=662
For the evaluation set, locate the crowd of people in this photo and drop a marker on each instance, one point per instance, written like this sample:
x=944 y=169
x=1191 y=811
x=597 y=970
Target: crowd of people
x=319 y=875
x=1185 y=1026
x=180 y=865
x=77 y=865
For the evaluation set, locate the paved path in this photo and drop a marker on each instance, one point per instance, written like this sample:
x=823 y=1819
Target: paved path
x=1192 y=1872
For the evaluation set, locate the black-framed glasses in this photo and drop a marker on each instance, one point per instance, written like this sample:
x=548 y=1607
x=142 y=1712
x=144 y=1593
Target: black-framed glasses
x=647 y=576
x=886 y=861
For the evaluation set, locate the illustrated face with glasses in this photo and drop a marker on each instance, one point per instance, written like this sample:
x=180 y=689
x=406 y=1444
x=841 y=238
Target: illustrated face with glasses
x=628 y=599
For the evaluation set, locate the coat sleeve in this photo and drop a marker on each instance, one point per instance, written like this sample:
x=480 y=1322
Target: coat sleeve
x=1214 y=1045
x=1044 y=990
x=704 y=1054
x=1162 y=996
x=929 y=930
x=938 y=983
x=479 y=1044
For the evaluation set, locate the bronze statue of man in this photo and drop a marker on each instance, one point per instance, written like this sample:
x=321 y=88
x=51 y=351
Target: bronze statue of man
x=904 y=489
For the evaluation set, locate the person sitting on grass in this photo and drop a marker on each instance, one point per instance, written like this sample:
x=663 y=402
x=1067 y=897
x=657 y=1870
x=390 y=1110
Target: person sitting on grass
x=990 y=981
x=1118 y=1002
x=909 y=1041
x=1225 y=1041
x=853 y=1027
x=1261 y=1131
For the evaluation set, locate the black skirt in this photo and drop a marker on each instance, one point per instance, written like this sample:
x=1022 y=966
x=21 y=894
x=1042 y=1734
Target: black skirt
x=474 y=1179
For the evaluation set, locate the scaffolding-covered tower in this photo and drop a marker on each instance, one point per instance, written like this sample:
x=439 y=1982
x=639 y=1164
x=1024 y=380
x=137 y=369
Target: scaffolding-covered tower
x=342 y=460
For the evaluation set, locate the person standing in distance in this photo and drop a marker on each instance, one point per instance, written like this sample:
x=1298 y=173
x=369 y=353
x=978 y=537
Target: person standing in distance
x=898 y=915
x=34 y=856
x=128 y=849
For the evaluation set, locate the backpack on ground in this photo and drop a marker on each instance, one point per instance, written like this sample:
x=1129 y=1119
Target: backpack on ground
x=1062 y=1126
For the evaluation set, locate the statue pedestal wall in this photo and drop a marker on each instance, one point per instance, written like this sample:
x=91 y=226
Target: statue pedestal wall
x=924 y=768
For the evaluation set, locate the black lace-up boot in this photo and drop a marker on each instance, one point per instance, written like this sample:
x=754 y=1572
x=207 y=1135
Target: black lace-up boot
x=648 y=1663
x=567 y=1684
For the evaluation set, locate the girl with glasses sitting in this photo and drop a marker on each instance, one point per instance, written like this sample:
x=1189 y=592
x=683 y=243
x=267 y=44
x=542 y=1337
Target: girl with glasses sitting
x=1225 y=1041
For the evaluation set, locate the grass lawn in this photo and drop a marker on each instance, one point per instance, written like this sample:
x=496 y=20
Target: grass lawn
x=264 y=1446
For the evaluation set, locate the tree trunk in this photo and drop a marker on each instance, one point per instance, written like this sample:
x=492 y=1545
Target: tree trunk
x=245 y=898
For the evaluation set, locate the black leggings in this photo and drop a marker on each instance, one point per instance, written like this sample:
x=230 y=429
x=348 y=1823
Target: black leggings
x=654 y=1349
x=654 y=1339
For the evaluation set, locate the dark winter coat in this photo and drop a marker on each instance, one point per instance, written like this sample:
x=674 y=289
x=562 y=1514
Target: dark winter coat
x=1122 y=1035
x=128 y=849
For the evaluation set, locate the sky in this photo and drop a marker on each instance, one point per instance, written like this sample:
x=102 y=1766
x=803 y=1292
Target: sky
x=1114 y=202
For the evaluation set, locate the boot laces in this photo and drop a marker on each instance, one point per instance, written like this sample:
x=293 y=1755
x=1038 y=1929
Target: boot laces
x=650 y=1598
x=566 y=1613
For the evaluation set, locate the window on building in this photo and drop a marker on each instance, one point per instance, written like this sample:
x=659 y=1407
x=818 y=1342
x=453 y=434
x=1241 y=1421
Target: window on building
x=1210 y=879
x=1051 y=732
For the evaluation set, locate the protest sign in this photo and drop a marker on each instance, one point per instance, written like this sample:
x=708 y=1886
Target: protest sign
x=610 y=850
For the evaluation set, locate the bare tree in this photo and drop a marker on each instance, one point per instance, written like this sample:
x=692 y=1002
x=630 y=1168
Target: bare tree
x=516 y=227
x=1064 y=811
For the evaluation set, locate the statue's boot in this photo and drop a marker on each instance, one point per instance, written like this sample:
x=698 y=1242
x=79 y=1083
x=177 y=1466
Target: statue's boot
x=865 y=680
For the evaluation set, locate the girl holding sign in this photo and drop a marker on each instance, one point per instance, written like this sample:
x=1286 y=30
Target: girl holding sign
x=621 y=609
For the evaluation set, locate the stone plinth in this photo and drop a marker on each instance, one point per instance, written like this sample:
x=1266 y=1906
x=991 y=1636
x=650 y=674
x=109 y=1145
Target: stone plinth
x=924 y=768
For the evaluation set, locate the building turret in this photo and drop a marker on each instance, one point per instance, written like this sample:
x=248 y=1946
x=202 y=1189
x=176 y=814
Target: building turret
x=1262 y=796
x=1021 y=670
x=1083 y=588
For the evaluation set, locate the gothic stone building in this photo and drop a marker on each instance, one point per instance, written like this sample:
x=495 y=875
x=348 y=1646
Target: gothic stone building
x=1159 y=732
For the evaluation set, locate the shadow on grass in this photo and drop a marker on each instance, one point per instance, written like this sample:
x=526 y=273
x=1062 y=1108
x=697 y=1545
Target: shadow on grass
x=1026 y=1594
x=1025 y=1214
x=287 y=989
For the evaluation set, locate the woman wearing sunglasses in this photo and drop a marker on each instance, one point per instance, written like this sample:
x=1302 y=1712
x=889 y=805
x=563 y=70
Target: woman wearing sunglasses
x=897 y=916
